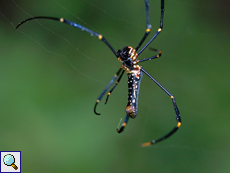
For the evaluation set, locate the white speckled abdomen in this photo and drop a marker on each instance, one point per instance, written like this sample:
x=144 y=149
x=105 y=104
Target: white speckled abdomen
x=134 y=80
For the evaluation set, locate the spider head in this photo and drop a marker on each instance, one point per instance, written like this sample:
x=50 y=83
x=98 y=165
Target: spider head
x=127 y=55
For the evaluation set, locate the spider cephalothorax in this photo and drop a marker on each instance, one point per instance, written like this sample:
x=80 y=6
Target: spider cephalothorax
x=128 y=56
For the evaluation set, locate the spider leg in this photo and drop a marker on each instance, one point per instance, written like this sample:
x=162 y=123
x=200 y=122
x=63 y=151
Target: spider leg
x=119 y=130
x=114 y=86
x=158 y=31
x=100 y=37
x=148 y=26
x=175 y=108
x=156 y=56
x=107 y=87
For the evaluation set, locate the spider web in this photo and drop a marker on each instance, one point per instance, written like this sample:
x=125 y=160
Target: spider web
x=64 y=39
x=106 y=63
x=74 y=45
x=81 y=54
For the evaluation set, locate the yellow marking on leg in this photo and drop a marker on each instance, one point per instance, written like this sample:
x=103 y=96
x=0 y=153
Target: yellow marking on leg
x=109 y=93
x=178 y=124
x=100 y=37
x=148 y=30
x=61 y=20
x=146 y=144
x=119 y=59
x=159 y=30
x=171 y=97
x=98 y=101
x=124 y=124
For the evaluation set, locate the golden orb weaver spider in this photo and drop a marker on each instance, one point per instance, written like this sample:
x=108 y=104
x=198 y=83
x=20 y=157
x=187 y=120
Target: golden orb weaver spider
x=128 y=57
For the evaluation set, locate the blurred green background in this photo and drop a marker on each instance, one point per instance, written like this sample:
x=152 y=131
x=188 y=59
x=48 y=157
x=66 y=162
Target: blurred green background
x=51 y=75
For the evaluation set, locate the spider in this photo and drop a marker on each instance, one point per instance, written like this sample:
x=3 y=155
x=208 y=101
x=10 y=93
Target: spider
x=128 y=57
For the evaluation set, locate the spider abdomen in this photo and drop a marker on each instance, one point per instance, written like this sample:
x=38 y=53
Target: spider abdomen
x=134 y=80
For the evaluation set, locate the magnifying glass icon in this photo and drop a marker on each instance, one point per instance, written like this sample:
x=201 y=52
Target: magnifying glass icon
x=9 y=160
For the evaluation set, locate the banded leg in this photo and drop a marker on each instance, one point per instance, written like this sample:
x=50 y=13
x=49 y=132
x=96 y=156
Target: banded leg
x=99 y=36
x=148 y=26
x=119 y=130
x=156 y=56
x=107 y=87
x=158 y=31
x=114 y=86
x=175 y=108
